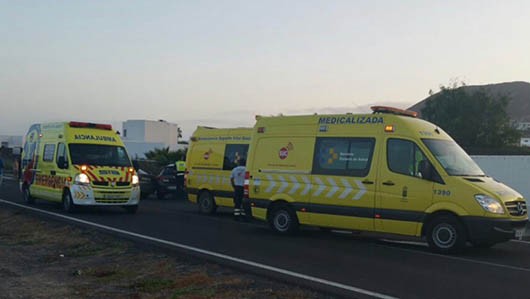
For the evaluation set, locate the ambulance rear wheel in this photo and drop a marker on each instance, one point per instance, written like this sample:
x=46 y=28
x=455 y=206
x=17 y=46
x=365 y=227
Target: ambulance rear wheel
x=68 y=203
x=27 y=195
x=445 y=234
x=206 y=203
x=283 y=220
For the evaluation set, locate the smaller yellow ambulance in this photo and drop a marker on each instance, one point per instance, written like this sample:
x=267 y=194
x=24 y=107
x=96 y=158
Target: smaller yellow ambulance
x=212 y=154
x=386 y=172
x=78 y=164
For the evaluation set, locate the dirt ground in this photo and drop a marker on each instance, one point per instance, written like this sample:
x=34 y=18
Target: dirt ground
x=48 y=259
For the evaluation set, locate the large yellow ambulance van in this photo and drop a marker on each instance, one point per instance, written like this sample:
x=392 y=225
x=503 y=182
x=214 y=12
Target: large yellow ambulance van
x=212 y=154
x=78 y=164
x=386 y=172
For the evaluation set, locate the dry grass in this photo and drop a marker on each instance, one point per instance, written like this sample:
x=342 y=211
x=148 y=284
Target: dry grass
x=47 y=259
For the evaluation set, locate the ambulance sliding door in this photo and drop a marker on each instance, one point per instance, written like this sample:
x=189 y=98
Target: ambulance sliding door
x=343 y=189
x=282 y=167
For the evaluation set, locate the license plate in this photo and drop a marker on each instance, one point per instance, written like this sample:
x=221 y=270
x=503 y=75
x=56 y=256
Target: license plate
x=112 y=196
x=519 y=233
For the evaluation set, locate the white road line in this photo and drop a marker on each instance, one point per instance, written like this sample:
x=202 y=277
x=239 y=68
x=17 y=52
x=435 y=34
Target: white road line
x=462 y=259
x=520 y=241
x=215 y=254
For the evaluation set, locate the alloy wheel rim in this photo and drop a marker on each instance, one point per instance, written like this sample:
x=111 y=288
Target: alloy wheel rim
x=281 y=221
x=444 y=236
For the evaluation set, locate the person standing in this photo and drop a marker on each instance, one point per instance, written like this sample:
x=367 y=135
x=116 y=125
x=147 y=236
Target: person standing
x=181 y=170
x=237 y=178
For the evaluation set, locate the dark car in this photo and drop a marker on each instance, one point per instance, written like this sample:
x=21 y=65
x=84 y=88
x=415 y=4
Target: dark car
x=147 y=183
x=166 y=181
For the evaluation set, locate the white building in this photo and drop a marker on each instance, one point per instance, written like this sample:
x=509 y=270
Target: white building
x=141 y=136
x=10 y=141
x=525 y=141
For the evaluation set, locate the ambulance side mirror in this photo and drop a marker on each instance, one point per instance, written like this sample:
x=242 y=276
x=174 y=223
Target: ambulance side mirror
x=426 y=170
x=62 y=163
x=136 y=165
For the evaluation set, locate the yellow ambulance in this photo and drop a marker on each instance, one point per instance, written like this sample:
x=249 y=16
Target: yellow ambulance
x=212 y=154
x=78 y=164
x=387 y=172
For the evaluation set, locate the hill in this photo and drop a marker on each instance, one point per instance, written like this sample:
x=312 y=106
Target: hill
x=519 y=93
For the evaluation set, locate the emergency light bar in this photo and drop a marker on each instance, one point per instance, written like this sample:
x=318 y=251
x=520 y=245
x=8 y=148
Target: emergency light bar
x=392 y=110
x=77 y=124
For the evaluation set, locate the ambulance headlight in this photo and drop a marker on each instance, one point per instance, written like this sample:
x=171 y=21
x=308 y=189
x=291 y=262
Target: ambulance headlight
x=135 y=180
x=489 y=204
x=82 y=179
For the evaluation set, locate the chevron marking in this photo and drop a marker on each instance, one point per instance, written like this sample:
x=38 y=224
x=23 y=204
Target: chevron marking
x=296 y=185
x=307 y=187
x=271 y=185
x=284 y=184
x=362 y=190
x=321 y=187
x=347 y=190
x=333 y=189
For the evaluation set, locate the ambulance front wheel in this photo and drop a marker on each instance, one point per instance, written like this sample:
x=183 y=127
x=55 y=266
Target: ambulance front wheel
x=68 y=204
x=206 y=203
x=27 y=195
x=445 y=234
x=283 y=220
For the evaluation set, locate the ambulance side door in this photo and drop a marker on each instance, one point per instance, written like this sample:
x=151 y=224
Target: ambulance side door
x=402 y=193
x=46 y=173
x=343 y=179
x=60 y=173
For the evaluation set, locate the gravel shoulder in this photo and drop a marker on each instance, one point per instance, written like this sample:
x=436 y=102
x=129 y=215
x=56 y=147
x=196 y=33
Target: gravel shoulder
x=50 y=259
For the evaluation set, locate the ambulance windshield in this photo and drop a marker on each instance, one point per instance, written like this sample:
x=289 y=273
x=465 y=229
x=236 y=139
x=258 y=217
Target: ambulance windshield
x=97 y=154
x=453 y=158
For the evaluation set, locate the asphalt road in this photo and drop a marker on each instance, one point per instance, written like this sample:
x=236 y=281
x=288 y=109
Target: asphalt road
x=369 y=263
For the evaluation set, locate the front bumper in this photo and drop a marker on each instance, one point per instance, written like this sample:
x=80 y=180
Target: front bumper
x=88 y=196
x=482 y=229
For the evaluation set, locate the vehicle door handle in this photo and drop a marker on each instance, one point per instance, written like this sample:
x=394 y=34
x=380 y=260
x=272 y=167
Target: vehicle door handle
x=367 y=182
x=53 y=172
x=388 y=183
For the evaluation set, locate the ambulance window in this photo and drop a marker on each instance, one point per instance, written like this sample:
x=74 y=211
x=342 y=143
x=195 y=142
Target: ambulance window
x=233 y=154
x=404 y=157
x=343 y=156
x=49 y=151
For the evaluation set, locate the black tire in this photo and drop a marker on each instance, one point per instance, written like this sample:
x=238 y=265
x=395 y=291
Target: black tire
x=27 y=195
x=283 y=220
x=445 y=234
x=68 y=204
x=131 y=209
x=206 y=203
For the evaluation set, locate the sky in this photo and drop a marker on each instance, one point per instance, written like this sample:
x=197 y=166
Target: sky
x=221 y=62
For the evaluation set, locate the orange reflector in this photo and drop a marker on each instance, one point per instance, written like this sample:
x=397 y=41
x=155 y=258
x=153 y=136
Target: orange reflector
x=131 y=169
x=303 y=210
x=389 y=128
x=69 y=178
x=83 y=167
x=253 y=204
x=377 y=216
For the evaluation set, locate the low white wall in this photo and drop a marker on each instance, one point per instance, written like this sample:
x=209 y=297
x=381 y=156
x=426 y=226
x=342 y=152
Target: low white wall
x=513 y=171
